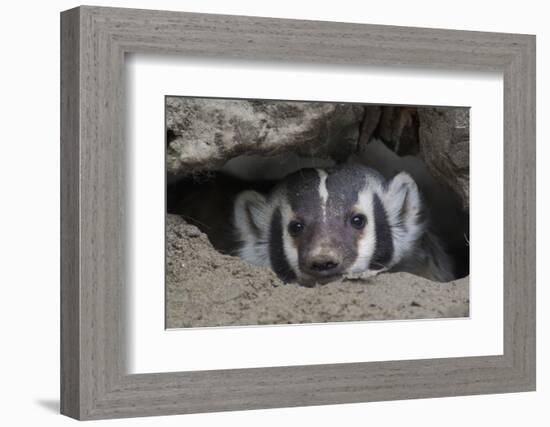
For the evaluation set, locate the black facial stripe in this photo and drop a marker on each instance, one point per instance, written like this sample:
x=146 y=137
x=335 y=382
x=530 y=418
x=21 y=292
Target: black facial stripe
x=384 y=243
x=344 y=185
x=277 y=256
x=303 y=192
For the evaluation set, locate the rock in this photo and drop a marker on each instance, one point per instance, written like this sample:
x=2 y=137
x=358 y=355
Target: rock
x=444 y=135
x=237 y=293
x=397 y=127
x=440 y=135
x=205 y=133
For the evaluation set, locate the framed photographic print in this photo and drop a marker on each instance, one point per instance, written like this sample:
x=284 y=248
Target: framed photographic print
x=262 y=213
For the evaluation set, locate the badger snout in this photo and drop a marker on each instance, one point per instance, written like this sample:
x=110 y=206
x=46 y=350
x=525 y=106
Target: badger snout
x=324 y=263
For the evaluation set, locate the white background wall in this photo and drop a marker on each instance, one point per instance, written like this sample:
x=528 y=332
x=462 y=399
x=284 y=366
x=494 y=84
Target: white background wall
x=29 y=212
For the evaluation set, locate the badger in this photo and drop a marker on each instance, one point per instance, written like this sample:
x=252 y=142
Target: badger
x=318 y=225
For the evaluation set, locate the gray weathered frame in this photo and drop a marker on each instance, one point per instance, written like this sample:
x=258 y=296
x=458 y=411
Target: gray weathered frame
x=94 y=41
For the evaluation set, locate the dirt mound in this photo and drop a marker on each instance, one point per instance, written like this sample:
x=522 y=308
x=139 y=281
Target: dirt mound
x=206 y=288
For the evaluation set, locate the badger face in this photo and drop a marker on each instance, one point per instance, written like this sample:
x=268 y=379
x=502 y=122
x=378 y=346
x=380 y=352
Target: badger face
x=318 y=225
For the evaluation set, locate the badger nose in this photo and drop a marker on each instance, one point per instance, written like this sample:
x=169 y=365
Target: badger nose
x=324 y=264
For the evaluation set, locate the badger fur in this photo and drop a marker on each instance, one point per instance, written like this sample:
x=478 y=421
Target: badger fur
x=318 y=225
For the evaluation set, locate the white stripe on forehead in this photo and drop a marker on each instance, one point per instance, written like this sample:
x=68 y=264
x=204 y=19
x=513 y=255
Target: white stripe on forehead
x=323 y=191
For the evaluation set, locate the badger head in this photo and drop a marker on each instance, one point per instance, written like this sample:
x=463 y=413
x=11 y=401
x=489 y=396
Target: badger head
x=318 y=225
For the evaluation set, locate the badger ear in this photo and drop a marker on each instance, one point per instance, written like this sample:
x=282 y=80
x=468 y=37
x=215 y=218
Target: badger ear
x=250 y=215
x=404 y=205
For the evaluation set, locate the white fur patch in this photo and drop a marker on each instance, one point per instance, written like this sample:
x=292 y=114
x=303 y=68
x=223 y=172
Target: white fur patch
x=251 y=214
x=323 y=191
x=367 y=244
x=401 y=196
x=291 y=252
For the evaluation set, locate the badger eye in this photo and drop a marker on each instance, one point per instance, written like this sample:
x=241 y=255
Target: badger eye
x=295 y=228
x=358 y=221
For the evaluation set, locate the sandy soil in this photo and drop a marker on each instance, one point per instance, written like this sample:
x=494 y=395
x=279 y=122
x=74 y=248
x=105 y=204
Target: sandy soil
x=206 y=288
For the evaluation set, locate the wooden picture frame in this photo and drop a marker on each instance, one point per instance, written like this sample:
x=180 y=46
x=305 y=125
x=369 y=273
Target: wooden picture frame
x=94 y=382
